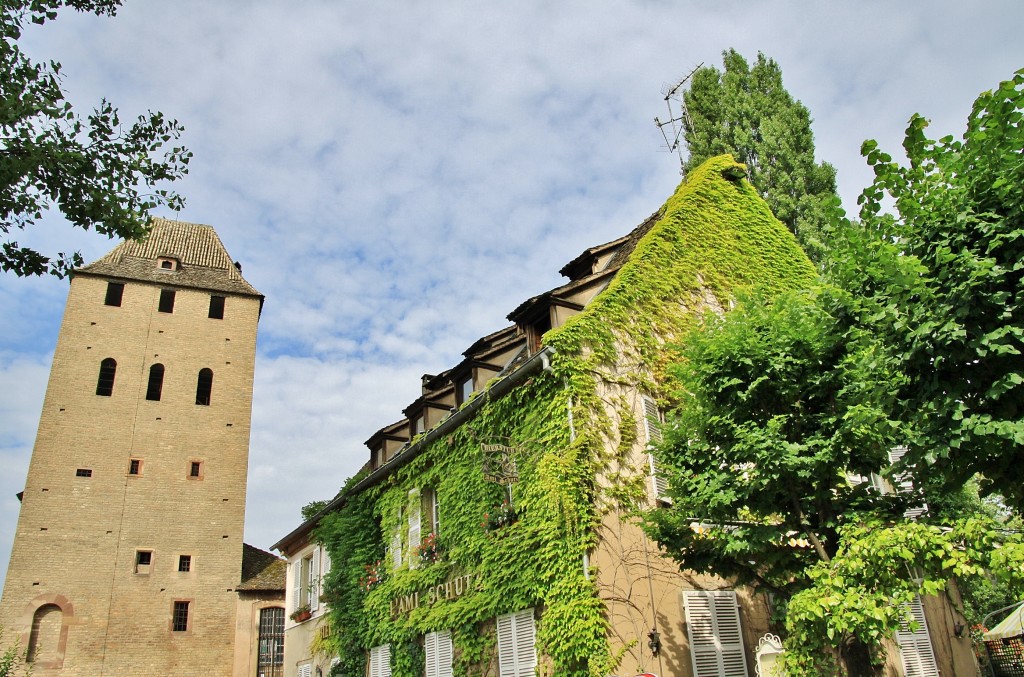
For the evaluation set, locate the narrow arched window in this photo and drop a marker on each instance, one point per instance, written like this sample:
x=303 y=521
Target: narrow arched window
x=204 y=386
x=105 y=383
x=156 y=382
x=44 y=640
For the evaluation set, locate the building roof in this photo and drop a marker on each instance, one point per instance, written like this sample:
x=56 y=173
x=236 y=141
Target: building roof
x=261 y=570
x=203 y=262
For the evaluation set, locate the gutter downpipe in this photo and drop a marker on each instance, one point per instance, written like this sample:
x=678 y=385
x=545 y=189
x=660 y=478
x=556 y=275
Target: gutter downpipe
x=539 y=360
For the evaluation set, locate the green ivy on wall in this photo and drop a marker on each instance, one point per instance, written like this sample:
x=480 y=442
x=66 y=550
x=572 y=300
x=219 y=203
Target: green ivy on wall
x=713 y=237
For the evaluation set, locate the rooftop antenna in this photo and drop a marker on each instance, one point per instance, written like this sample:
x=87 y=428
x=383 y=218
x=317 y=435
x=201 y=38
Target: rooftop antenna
x=677 y=121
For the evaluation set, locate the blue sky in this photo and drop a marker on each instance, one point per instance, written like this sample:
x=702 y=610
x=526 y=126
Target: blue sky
x=397 y=176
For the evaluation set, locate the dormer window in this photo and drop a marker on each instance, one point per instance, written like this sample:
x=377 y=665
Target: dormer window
x=167 y=263
x=465 y=389
x=419 y=424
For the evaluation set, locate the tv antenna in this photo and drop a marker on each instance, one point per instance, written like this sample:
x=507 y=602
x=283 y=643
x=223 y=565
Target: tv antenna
x=678 y=117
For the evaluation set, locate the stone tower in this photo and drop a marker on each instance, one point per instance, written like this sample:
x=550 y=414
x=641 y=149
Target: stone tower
x=128 y=549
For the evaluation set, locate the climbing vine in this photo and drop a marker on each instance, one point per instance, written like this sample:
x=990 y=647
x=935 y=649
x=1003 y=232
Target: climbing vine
x=713 y=237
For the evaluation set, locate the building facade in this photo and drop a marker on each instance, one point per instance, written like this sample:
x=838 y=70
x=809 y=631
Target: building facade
x=495 y=529
x=128 y=549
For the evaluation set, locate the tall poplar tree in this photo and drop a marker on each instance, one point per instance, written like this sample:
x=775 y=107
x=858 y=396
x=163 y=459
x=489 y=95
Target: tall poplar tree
x=746 y=111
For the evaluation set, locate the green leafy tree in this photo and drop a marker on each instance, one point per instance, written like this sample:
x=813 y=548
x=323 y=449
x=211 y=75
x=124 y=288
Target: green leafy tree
x=98 y=172
x=913 y=338
x=745 y=110
x=12 y=659
x=960 y=335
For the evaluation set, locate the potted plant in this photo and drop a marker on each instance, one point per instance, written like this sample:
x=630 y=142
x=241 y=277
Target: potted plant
x=301 y=614
x=500 y=516
x=374 y=574
x=428 y=550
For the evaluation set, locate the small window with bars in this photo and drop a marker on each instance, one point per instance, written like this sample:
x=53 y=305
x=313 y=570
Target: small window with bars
x=180 y=616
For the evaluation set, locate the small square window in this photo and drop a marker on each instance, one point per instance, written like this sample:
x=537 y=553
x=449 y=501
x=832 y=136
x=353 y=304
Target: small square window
x=166 y=301
x=135 y=466
x=143 y=561
x=83 y=472
x=195 y=469
x=216 y=307
x=179 y=619
x=115 y=292
x=184 y=563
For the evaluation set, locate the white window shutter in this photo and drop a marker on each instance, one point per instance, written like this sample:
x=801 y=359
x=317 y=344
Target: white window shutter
x=438 y=649
x=296 y=585
x=714 y=632
x=517 y=651
x=916 y=646
x=305 y=670
x=396 y=549
x=652 y=427
x=326 y=558
x=652 y=421
x=380 y=661
x=415 y=514
x=904 y=483
x=314 y=580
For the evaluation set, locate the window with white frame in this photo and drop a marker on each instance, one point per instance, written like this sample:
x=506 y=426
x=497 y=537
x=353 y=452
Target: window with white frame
x=653 y=422
x=517 y=650
x=438 y=649
x=916 y=645
x=714 y=632
x=380 y=661
x=902 y=483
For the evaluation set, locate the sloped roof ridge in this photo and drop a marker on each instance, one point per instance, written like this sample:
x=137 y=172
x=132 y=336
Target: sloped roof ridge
x=261 y=570
x=205 y=261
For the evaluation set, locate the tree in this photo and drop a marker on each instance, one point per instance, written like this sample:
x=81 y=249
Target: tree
x=783 y=413
x=98 y=172
x=911 y=337
x=747 y=112
x=959 y=336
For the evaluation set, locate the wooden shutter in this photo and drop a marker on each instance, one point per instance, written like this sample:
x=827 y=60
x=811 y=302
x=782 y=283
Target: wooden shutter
x=314 y=580
x=652 y=427
x=296 y=585
x=415 y=515
x=438 y=649
x=714 y=632
x=517 y=652
x=916 y=646
x=380 y=661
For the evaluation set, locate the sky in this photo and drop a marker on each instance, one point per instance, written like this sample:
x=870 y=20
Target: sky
x=396 y=177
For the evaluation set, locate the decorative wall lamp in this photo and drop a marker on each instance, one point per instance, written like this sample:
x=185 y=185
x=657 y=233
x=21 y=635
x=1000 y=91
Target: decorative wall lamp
x=654 y=642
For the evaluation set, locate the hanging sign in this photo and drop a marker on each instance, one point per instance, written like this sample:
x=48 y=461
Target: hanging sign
x=500 y=463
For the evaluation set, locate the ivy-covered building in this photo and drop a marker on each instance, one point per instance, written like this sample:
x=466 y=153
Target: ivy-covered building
x=494 y=529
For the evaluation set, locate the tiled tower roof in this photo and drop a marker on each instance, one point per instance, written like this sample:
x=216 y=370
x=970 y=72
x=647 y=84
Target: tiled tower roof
x=203 y=262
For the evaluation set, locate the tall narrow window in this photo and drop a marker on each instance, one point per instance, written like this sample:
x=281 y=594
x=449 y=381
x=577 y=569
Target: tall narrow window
x=216 y=307
x=135 y=466
x=105 y=383
x=156 y=382
x=204 y=386
x=195 y=469
x=415 y=519
x=270 y=661
x=166 y=301
x=115 y=291
x=179 y=619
